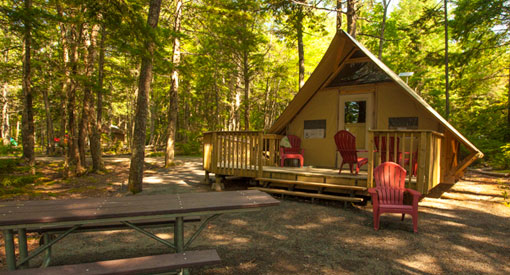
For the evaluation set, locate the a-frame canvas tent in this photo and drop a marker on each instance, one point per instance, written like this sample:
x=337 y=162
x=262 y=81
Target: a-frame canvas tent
x=349 y=75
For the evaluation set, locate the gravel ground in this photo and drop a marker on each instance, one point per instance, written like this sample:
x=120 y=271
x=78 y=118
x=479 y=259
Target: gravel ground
x=464 y=230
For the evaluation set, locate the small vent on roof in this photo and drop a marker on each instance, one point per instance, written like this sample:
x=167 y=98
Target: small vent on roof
x=359 y=73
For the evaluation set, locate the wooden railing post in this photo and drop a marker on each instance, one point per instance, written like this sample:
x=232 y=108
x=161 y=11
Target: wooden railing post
x=214 y=152
x=370 y=175
x=259 y=154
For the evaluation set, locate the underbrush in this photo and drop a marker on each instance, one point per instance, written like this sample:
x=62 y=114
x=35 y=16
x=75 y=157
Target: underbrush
x=9 y=150
x=15 y=179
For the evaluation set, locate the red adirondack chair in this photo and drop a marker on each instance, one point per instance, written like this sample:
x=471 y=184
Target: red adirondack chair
x=388 y=195
x=295 y=152
x=346 y=145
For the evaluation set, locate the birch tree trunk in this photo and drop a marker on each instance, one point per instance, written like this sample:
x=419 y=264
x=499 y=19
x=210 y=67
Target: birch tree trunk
x=28 y=139
x=174 y=89
x=144 y=86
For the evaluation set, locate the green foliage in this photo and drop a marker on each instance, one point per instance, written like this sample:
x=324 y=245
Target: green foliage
x=9 y=150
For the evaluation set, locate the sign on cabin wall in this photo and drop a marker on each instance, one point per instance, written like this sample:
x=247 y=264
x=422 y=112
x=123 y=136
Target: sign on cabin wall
x=403 y=122
x=314 y=129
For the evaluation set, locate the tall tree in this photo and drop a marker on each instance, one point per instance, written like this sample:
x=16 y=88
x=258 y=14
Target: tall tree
x=28 y=116
x=386 y=4
x=174 y=87
x=352 y=17
x=142 y=102
x=446 y=75
x=339 y=14
x=96 y=123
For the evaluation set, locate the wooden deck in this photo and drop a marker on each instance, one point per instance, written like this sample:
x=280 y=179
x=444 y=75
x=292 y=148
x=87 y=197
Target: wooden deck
x=255 y=155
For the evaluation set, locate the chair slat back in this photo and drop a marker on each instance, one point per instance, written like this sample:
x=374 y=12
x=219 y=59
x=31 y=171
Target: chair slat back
x=295 y=142
x=390 y=183
x=346 y=145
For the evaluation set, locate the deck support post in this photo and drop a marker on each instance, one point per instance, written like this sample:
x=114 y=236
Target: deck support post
x=206 y=178
x=218 y=184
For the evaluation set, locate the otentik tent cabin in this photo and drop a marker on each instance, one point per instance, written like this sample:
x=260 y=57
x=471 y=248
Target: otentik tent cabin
x=349 y=90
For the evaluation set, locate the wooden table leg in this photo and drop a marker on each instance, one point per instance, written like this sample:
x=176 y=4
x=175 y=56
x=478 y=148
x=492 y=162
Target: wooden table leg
x=9 y=249
x=179 y=239
x=23 y=247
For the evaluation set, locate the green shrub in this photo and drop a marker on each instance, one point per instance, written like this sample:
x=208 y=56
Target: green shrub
x=18 y=181
x=9 y=150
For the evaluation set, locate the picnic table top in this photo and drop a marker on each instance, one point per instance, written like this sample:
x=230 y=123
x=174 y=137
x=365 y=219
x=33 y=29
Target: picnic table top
x=22 y=213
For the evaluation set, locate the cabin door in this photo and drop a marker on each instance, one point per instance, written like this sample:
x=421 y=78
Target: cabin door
x=355 y=115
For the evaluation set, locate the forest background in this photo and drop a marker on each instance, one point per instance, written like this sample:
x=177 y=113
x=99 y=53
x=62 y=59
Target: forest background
x=79 y=76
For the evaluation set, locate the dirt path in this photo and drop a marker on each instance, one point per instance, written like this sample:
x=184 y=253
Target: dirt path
x=466 y=230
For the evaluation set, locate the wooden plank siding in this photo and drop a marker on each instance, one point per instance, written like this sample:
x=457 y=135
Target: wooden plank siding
x=254 y=154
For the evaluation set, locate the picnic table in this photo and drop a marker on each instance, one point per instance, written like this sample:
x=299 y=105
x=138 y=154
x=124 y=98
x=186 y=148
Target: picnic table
x=18 y=217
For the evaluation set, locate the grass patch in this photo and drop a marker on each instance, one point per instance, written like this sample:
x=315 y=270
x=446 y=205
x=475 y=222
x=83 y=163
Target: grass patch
x=156 y=154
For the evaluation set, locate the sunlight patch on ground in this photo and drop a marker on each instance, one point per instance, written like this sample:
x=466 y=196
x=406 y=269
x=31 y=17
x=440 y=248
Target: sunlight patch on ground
x=153 y=180
x=248 y=266
x=478 y=266
x=382 y=242
x=419 y=261
x=274 y=235
x=330 y=219
x=238 y=222
x=304 y=226
x=164 y=235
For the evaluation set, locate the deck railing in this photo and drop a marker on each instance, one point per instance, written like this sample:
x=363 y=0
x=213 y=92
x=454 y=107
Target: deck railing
x=240 y=153
x=418 y=151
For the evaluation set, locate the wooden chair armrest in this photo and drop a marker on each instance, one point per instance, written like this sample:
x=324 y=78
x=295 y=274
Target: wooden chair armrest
x=413 y=192
x=375 y=197
x=362 y=151
x=416 y=195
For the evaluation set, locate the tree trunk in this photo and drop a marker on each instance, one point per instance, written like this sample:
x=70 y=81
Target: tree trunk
x=49 y=124
x=97 y=124
x=447 y=85
x=83 y=126
x=508 y=108
x=94 y=131
x=5 y=131
x=246 y=76
x=71 y=103
x=174 y=89
x=351 y=17
x=5 y=115
x=144 y=86
x=339 y=15
x=301 y=51
x=385 y=4
x=28 y=138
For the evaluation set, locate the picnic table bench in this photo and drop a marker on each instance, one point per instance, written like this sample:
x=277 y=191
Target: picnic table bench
x=69 y=216
x=138 y=265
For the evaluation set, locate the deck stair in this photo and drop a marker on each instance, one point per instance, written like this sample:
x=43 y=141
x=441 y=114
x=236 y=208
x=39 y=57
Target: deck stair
x=291 y=185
